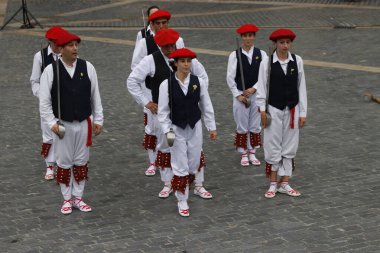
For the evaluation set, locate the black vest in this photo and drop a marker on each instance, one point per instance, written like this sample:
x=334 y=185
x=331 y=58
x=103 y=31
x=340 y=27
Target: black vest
x=250 y=71
x=145 y=32
x=75 y=92
x=151 y=47
x=162 y=73
x=46 y=59
x=283 y=89
x=185 y=108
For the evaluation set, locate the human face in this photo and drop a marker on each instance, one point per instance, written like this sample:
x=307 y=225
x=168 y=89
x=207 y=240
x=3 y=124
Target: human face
x=248 y=39
x=158 y=24
x=283 y=45
x=183 y=65
x=168 y=49
x=69 y=51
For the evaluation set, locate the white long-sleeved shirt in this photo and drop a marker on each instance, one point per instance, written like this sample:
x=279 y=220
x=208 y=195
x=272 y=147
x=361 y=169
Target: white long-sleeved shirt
x=141 y=51
x=36 y=70
x=139 y=35
x=263 y=77
x=147 y=67
x=231 y=70
x=46 y=82
x=205 y=104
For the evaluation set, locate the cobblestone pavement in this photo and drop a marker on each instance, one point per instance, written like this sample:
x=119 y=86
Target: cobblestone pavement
x=337 y=163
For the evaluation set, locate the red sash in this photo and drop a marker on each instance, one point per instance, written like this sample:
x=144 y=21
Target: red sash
x=89 y=133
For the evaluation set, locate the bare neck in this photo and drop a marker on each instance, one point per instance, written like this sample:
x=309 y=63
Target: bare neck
x=68 y=62
x=282 y=55
x=181 y=76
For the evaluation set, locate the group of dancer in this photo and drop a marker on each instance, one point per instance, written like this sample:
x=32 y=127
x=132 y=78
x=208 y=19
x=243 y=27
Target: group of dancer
x=171 y=85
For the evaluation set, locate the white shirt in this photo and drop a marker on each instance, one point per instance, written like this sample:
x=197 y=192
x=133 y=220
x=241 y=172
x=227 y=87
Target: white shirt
x=147 y=67
x=231 y=70
x=46 y=108
x=263 y=77
x=139 y=35
x=141 y=51
x=36 y=70
x=205 y=104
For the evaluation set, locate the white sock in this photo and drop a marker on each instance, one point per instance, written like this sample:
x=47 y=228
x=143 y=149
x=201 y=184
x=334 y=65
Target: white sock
x=286 y=186
x=272 y=187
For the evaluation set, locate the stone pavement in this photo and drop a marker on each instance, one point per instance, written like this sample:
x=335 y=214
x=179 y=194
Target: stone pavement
x=337 y=163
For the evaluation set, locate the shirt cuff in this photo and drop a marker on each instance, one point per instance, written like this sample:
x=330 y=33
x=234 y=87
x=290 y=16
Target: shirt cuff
x=98 y=122
x=236 y=94
x=52 y=123
x=144 y=101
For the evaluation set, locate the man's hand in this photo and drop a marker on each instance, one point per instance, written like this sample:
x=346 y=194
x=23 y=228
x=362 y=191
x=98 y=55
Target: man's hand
x=152 y=107
x=243 y=100
x=301 y=122
x=97 y=129
x=248 y=92
x=263 y=119
x=55 y=128
x=213 y=135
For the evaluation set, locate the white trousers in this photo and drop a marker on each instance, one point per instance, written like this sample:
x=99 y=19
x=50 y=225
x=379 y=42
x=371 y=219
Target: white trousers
x=185 y=155
x=72 y=149
x=162 y=145
x=74 y=189
x=150 y=129
x=281 y=141
x=186 y=151
x=47 y=137
x=247 y=119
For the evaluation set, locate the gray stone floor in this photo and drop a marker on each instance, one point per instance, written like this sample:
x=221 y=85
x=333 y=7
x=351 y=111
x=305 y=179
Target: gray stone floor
x=337 y=162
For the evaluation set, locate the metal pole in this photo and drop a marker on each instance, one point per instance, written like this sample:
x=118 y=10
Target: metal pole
x=143 y=17
x=62 y=130
x=170 y=136
x=248 y=103
x=268 y=116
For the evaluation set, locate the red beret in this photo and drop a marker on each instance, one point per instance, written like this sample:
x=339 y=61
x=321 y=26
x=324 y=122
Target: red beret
x=183 y=53
x=54 y=32
x=282 y=33
x=65 y=38
x=247 y=28
x=166 y=36
x=159 y=14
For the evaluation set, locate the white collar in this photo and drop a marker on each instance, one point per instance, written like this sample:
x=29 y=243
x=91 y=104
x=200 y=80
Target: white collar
x=275 y=58
x=250 y=51
x=49 y=50
x=186 y=81
x=67 y=66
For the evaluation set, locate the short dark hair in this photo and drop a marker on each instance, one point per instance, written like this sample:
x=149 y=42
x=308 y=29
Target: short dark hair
x=254 y=34
x=150 y=8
